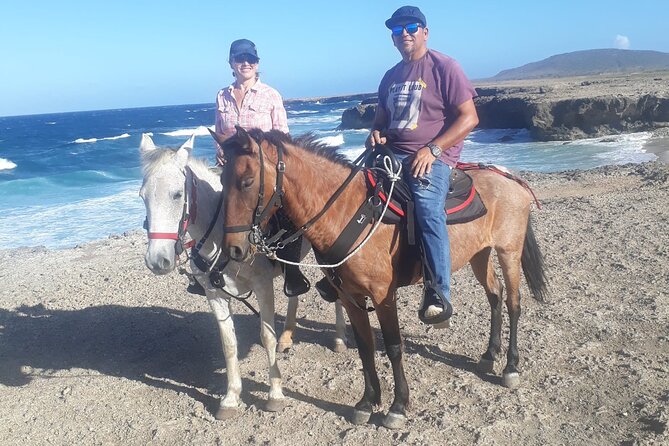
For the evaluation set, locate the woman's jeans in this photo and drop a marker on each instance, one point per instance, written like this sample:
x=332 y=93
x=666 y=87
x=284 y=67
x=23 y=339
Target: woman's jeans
x=429 y=194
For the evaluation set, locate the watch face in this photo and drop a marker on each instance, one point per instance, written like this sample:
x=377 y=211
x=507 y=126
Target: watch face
x=436 y=151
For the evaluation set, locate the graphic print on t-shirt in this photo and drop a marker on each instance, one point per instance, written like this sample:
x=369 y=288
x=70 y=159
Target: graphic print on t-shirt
x=404 y=104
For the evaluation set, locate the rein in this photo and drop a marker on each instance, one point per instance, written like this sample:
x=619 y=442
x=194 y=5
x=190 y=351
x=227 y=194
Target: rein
x=269 y=246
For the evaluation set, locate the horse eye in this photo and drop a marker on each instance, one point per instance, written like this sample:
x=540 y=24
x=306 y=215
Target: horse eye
x=177 y=195
x=247 y=183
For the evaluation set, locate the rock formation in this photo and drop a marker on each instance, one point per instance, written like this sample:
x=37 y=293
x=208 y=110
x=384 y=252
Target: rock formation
x=563 y=109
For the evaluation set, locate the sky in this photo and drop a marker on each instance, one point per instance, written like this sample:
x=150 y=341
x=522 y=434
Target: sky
x=59 y=56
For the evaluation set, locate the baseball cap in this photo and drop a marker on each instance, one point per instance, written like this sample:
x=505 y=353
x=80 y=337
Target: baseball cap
x=406 y=15
x=243 y=46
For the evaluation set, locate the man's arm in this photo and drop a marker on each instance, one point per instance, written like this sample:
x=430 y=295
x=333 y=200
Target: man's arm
x=466 y=119
x=380 y=123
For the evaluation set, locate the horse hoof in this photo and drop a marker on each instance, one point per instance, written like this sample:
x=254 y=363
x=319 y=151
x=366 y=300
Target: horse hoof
x=225 y=413
x=394 y=420
x=485 y=366
x=511 y=380
x=276 y=405
x=284 y=347
x=340 y=346
x=360 y=416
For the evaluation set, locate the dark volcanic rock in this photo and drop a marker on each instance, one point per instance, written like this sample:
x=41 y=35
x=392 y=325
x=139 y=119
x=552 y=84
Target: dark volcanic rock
x=360 y=117
x=564 y=109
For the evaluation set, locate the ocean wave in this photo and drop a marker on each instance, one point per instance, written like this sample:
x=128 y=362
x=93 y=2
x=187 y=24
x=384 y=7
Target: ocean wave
x=50 y=123
x=110 y=138
x=64 y=225
x=302 y=112
x=335 y=140
x=197 y=131
x=6 y=164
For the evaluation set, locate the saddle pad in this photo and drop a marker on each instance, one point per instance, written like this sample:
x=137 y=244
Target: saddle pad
x=463 y=202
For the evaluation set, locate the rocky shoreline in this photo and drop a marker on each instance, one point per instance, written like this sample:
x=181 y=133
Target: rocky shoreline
x=562 y=109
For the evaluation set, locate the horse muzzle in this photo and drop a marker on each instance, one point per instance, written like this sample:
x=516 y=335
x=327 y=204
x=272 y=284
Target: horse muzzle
x=160 y=259
x=238 y=253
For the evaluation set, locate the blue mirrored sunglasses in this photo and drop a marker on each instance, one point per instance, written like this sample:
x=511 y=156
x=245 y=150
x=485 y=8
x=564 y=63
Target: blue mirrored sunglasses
x=241 y=58
x=412 y=28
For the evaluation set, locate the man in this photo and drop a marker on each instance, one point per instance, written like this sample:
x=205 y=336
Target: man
x=425 y=111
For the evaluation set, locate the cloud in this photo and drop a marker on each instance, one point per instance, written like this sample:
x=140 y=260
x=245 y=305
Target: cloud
x=622 y=42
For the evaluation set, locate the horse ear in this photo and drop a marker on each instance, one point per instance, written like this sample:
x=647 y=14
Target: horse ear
x=244 y=140
x=185 y=150
x=147 y=144
x=218 y=137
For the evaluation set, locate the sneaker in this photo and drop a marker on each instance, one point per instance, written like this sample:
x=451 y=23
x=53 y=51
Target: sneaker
x=195 y=288
x=434 y=310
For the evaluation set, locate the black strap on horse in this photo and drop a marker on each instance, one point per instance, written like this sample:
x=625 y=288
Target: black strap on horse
x=215 y=270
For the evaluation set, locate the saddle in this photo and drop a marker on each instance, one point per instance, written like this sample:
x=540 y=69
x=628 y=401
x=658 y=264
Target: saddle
x=463 y=204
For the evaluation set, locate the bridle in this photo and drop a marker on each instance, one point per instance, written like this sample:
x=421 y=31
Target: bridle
x=187 y=217
x=269 y=245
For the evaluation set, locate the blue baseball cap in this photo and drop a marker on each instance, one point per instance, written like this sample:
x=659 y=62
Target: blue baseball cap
x=405 y=15
x=243 y=46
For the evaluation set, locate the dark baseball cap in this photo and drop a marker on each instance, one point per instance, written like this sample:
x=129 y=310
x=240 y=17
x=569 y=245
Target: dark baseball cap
x=243 y=46
x=406 y=15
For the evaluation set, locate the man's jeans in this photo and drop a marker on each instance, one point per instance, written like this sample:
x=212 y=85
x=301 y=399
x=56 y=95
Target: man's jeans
x=429 y=194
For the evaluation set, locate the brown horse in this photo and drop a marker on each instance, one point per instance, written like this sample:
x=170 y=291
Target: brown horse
x=309 y=174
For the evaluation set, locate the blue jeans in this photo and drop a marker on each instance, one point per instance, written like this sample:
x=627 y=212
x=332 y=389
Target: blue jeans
x=429 y=194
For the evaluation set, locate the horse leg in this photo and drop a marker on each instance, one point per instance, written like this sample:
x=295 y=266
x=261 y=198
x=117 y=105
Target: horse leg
x=387 y=315
x=221 y=309
x=340 y=326
x=286 y=339
x=510 y=263
x=365 y=340
x=265 y=294
x=484 y=271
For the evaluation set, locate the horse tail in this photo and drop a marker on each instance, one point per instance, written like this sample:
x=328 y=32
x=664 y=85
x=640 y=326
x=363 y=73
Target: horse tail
x=532 y=262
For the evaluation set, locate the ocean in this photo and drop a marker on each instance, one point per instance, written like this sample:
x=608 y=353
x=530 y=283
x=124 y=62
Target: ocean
x=69 y=178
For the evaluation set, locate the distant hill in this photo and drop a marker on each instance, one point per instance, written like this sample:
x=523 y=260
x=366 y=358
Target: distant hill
x=588 y=62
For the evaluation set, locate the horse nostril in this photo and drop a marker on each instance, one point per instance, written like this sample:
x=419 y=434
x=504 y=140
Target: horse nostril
x=165 y=264
x=236 y=253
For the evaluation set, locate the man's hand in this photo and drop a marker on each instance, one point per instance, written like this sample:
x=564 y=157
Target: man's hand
x=422 y=162
x=373 y=139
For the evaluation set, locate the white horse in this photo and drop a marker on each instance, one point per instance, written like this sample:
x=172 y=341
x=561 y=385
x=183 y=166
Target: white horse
x=181 y=194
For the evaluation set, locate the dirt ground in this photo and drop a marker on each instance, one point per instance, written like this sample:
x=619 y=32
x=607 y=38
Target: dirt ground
x=94 y=349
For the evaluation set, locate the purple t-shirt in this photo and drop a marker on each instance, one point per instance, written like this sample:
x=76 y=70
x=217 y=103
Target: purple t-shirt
x=418 y=97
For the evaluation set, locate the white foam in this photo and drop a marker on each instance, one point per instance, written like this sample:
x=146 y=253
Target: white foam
x=197 y=131
x=6 y=164
x=110 y=138
x=50 y=123
x=335 y=140
x=302 y=112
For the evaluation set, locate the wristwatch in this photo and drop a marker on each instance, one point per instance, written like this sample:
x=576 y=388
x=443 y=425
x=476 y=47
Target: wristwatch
x=434 y=149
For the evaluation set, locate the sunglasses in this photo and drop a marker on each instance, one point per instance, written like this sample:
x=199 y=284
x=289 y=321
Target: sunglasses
x=241 y=58
x=412 y=28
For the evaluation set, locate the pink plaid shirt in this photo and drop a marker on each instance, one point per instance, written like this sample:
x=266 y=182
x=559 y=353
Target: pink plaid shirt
x=261 y=108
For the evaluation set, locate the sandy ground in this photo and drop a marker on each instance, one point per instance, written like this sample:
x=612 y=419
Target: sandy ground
x=94 y=349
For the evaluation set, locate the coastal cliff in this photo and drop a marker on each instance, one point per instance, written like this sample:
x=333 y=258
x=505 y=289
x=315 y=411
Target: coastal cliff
x=562 y=109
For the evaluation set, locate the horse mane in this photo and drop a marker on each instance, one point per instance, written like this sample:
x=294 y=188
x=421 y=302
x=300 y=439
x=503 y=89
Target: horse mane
x=308 y=141
x=153 y=159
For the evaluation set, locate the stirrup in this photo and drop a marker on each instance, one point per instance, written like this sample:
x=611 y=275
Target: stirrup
x=444 y=316
x=326 y=290
x=296 y=287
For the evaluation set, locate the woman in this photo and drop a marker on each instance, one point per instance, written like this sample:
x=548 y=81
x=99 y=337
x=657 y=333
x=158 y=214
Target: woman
x=250 y=103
